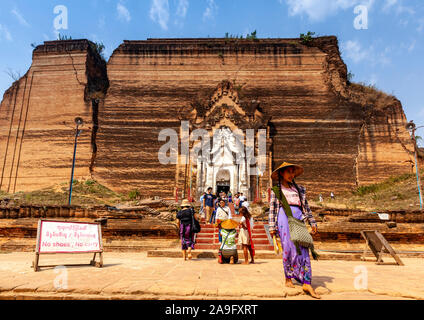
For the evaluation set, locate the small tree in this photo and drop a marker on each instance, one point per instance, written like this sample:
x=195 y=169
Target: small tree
x=307 y=38
x=350 y=77
x=252 y=36
x=63 y=37
x=99 y=47
x=15 y=75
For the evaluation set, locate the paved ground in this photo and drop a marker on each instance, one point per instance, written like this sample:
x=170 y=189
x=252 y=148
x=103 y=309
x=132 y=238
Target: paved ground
x=135 y=276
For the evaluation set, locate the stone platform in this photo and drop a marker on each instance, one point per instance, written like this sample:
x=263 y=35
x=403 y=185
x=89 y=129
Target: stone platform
x=135 y=276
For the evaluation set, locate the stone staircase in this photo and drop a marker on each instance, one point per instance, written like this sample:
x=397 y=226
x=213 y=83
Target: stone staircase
x=207 y=238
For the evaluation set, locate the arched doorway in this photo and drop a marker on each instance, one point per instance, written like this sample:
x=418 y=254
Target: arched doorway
x=223 y=181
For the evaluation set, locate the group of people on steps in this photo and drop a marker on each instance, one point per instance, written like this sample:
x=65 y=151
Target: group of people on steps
x=288 y=204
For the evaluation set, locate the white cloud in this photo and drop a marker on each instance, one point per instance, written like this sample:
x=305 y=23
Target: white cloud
x=210 y=10
x=354 y=51
x=318 y=10
x=20 y=18
x=411 y=46
x=4 y=33
x=397 y=6
x=182 y=8
x=159 y=13
x=123 y=12
x=389 y=4
x=420 y=25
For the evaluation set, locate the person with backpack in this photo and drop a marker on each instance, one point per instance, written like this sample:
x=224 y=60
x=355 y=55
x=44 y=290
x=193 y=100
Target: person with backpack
x=288 y=212
x=187 y=223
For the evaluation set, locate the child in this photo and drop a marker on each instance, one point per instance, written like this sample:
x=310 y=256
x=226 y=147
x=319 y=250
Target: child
x=236 y=203
x=245 y=235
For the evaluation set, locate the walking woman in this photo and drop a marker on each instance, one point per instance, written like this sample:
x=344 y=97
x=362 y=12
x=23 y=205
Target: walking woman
x=185 y=217
x=245 y=235
x=287 y=194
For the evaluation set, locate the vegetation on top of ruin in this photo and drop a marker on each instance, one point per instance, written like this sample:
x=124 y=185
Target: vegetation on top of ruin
x=98 y=47
x=367 y=94
x=84 y=193
x=251 y=36
x=62 y=37
x=307 y=38
x=396 y=193
x=14 y=75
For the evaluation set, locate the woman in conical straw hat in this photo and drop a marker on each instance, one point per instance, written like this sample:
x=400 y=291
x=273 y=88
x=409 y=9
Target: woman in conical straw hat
x=185 y=217
x=296 y=261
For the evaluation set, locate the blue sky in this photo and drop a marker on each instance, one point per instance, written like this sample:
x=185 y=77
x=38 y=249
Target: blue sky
x=381 y=40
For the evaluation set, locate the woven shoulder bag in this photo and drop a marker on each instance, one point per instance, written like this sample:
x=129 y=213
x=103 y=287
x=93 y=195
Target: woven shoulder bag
x=299 y=233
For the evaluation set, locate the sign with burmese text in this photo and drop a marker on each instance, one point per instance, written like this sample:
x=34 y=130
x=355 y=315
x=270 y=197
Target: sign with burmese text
x=68 y=237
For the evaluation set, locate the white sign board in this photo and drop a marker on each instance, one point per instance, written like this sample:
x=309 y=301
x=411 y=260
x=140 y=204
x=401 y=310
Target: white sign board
x=68 y=237
x=383 y=216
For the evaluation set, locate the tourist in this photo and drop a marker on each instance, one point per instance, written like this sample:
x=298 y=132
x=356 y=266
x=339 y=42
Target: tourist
x=208 y=203
x=224 y=196
x=245 y=235
x=185 y=221
x=230 y=196
x=332 y=196
x=242 y=198
x=222 y=213
x=296 y=259
x=320 y=198
x=236 y=203
x=228 y=248
x=202 y=209
x=215 y=207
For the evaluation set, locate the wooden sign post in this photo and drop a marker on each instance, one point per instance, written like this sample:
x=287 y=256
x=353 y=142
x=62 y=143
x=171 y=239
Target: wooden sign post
x=378 y=245
x=55 y=237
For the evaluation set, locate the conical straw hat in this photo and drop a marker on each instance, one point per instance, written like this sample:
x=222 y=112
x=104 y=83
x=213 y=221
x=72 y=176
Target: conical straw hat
x=298 y=170
x=229 y=224
x=185 y=203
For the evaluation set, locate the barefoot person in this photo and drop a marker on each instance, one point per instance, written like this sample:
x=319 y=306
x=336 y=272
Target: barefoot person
x=185 y=217
x=296 y=259
x=245 y=235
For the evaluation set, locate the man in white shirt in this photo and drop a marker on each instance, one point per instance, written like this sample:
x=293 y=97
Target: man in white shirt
x=223 y=212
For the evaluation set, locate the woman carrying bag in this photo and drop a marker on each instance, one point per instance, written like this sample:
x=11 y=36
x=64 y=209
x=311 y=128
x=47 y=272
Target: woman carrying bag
x=188 y=222
x=288 y=212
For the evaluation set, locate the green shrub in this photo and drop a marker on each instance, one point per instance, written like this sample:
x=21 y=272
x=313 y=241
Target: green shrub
x=90 y=182
x=134 y=194
x=307 y=38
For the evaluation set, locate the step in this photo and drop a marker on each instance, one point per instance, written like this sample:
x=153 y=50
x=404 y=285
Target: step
x=215 y=241
x=209 y=254
x=205 y=246
x=215 y=235
x=255 y=232
x=212 y=229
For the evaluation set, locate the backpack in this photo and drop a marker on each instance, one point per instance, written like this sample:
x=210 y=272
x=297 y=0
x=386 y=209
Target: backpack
x=195 y=225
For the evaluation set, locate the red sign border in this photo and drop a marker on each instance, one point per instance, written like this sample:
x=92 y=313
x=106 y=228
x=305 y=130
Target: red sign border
x=37 y=249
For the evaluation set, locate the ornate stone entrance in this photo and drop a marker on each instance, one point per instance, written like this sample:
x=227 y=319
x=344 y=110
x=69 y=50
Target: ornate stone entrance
x=223 y=181
x=225 y=120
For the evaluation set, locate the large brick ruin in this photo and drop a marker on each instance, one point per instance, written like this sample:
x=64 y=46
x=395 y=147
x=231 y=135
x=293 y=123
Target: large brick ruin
x=344 y=135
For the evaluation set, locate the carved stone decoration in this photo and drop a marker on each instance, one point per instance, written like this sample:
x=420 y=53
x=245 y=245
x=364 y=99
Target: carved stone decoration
x=222 y=114
x=225 y=104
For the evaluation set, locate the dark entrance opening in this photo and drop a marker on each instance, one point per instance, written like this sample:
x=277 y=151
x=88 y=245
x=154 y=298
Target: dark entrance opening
x=222 y=187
